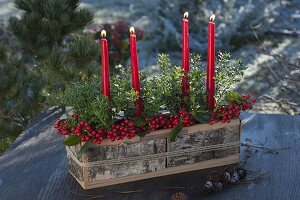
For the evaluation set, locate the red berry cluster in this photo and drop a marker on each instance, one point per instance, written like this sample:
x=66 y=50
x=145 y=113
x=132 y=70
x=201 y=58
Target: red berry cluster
x=121 y=130
x=87 y=133
x=184 y=117
x=226 y=113
x=126 y=128
x=62 y=127
x=247 y=103
x=165 y=121
x=157 y=122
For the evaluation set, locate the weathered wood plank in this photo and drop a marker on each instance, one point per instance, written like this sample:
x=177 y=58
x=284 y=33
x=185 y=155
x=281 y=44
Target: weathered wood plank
x=167 y=171
x=124 y=150
x=203 y=138
x=130 y=160
x=37 y=160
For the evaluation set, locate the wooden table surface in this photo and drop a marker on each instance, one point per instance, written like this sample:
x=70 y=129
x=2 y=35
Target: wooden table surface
x=34 y=167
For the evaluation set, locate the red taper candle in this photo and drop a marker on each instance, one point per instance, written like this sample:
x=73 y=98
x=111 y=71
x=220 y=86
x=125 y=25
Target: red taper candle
x=105 y=65
x=185 y=54
x=135 y=72
x=210 y=78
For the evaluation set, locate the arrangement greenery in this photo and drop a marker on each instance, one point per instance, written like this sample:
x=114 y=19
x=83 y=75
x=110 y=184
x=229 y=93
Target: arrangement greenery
x=96 y=117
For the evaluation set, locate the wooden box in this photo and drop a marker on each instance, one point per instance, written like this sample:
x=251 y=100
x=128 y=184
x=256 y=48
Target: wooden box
x=197 y=147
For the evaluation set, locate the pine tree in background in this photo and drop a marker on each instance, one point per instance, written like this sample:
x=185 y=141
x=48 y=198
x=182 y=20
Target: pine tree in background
x=19 y=93
x=50 y=52
x=44 y=23
x=25 y=87
x=78 y=61
x=46 y=31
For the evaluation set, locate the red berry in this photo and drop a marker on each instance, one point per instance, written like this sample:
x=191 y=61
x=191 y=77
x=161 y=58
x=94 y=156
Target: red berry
x=88 y=128
x=81 y=123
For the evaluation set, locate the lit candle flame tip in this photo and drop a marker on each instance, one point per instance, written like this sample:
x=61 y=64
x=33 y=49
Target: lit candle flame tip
x=212 y=17
x=186 y=15
x=103 y=33
x=131 y=30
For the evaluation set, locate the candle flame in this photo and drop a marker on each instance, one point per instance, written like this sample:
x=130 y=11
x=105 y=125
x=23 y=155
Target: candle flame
x=186 y=15
x=212 y=17
x=131 y=30
x=103 y=33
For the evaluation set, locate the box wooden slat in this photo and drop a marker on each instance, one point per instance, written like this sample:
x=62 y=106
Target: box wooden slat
x=153 y=155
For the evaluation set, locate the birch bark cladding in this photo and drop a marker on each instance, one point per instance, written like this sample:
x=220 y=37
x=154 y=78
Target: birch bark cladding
x=154 y=155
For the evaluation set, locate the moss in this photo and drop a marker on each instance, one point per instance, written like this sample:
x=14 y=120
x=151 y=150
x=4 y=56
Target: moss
x=5 y=143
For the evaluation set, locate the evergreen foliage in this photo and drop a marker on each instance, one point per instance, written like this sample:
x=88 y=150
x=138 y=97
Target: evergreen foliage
x=162 y=91
x=228 y=72
x=85 y=97
x=78 y=61
x=52 y=57
x=44 y=23
x=19 y=101
x=159 y=92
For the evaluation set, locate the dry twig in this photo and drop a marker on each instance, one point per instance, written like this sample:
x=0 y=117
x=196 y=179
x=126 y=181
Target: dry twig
x=129 y=191
x=262 y=148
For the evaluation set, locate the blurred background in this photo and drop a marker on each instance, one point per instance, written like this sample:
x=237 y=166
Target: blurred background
x=45 y=45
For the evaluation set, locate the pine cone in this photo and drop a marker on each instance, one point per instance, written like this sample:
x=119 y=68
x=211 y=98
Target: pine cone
x=230 y=170
x=242 y=172
x=225 y=177
x=207 y=187
x=235 y=178
x=214 y=176
x=179 y=196
x=218 y=187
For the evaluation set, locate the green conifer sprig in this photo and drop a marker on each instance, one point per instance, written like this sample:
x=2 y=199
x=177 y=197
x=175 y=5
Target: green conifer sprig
x=44 y=23
x=160 y=92
x=228 y=72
